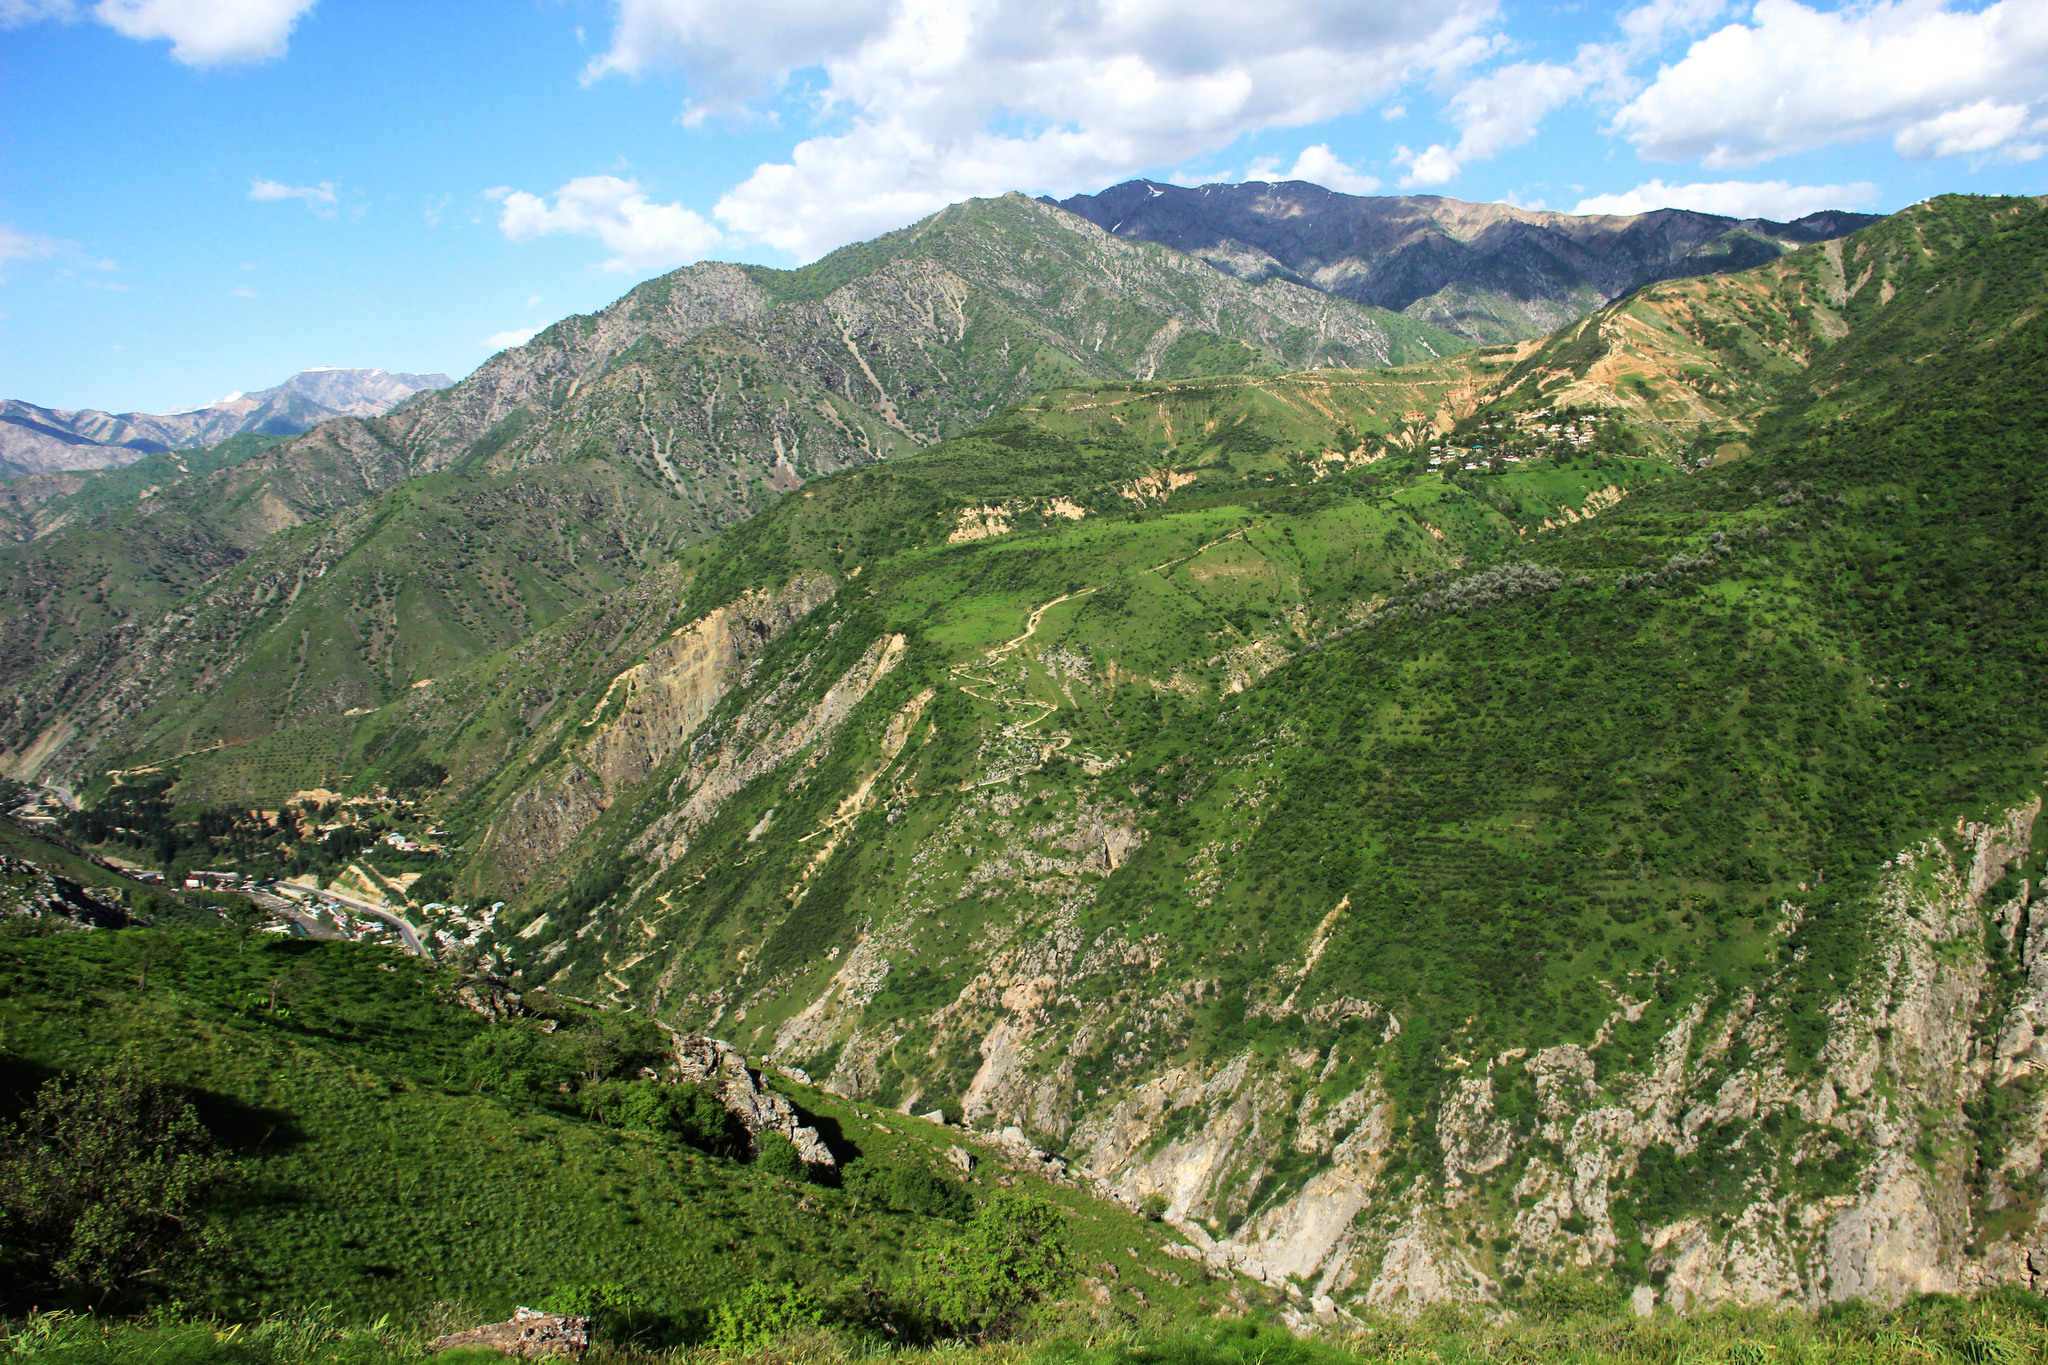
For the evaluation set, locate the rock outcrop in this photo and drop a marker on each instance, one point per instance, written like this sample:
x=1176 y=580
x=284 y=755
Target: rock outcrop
x=644 y=717
x=528 y=1335
x=1911 y=1048
x=722 y=1068
x=30 y=890
x=494 y=999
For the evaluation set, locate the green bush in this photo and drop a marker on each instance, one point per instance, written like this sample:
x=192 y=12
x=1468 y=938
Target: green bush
x=511 y=1059
x=617 y=1314
x=1013 y=1254
x=760 y=1314
x=104 y=1185
x=689 y=1112
x=777 y=1155
x=906 y=1187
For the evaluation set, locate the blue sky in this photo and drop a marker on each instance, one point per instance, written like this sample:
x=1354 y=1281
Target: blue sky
x=199 y=196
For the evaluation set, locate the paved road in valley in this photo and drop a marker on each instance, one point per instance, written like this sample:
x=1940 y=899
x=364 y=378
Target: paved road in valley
x=284 y=909
x=396 y=921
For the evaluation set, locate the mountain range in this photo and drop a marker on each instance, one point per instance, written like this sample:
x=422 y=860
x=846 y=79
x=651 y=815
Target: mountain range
x=1487 y=272
x=1428 y=819
x=38 y=440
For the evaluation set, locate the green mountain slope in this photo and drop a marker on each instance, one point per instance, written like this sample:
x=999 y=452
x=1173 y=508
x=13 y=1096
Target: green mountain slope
x=38 y=505
x=1430 y=829
x=603 y=444
x=390 y=1163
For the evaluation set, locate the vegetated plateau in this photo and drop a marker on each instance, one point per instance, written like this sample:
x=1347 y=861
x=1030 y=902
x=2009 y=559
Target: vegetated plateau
x=1561 y=817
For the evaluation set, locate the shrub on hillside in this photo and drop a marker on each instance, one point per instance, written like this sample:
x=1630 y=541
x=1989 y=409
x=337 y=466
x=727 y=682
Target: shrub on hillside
x=104 y=1184
x=512 y=1059
x=617 y=1314
x=909 y=1188
x=760 y=1314
x=777 y=1155
x=689 y=1112
x=1011 y=1255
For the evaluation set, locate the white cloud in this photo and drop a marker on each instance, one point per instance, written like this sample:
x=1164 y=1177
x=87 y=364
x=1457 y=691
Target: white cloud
x=14 y=13
x=1502 y=108
x=1938 y=80
x=1968 y=131
x=1431 y=166
x=320 y=198
x=243 y=291
x=1647 y=27
x=517 y=336
x=1505 y=107
x=207 y=32
x=646 y=235
x=947 y=99
x=1774 y=199
x=16 y=245
x=734 y=53
x=1320 y=165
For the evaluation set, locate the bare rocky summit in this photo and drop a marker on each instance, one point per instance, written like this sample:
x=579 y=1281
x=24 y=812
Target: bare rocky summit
x=39 y=440
x=1488 y=272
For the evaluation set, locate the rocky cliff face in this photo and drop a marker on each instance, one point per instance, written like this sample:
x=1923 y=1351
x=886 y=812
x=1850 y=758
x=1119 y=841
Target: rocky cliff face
x=643 y=717
x=1490 y=272
x=1927 y=1198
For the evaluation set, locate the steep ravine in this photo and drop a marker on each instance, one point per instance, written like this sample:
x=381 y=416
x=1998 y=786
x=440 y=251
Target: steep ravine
x=1912 y=1046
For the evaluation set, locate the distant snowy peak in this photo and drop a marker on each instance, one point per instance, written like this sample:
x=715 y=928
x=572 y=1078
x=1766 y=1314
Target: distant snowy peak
x=357 y=393
x=39 y=440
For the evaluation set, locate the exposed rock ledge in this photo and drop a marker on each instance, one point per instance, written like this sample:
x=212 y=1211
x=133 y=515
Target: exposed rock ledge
x=723 y=1069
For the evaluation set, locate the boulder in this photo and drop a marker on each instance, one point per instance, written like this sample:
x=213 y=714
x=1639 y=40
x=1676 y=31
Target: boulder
x=529 y=1335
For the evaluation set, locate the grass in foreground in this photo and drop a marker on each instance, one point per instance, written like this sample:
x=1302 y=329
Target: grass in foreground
x=2007 y=1327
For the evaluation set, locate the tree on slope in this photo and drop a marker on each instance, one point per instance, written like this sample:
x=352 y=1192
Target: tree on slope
x=103 y=1187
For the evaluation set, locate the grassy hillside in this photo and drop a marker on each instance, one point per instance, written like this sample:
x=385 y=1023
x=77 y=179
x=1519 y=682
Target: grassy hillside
x=2006 y=1326
x=388 y=1165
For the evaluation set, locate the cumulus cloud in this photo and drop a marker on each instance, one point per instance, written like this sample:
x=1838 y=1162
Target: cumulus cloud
x=946 y=99
x=201 y=32
x=1320 y=165
x=320 y=198
x=517 y=336
x=1971 y=131
x=1499 y=110
x=1940 y=81
x=1773 y=199
x=645 y=235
